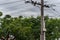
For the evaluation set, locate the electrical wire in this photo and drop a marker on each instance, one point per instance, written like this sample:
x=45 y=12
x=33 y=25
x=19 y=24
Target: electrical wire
x=15 y=5
x=39 y=7
x=54 y=12
x=20 y=10
x=49 y=16
x=49 y=10
x=18 y=4
x=10 y=2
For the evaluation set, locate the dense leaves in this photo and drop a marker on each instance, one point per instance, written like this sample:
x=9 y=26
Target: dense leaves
x=0 y=13
x=29 y=28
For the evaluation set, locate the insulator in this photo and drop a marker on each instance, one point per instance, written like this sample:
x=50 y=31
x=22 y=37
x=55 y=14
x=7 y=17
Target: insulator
x=47 y=6
x=35 y=3
x=32 y=2
x=38 y=4
x=27 y=2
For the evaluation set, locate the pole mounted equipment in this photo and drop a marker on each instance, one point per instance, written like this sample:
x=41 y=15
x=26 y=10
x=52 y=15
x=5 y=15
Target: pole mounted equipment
x=43 y=29
x=36 y=3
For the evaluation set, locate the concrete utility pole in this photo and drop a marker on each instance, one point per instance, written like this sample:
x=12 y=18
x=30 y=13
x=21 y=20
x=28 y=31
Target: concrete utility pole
x=42 y=35
x=43 y=30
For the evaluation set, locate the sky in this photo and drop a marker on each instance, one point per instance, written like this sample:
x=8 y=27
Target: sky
x=19 y=7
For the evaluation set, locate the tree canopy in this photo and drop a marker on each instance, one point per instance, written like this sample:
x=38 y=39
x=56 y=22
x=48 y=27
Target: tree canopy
x=29 y=28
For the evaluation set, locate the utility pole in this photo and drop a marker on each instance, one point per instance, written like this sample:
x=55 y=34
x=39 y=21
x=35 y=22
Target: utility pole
x=43 y=29
x=42 y=35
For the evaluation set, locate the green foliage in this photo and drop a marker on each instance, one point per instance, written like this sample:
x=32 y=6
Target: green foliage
x=29 y=28
x=1 y=14
x=7 y=16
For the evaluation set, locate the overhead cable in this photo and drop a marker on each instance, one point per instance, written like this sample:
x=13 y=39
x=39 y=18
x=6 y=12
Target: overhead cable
x=10 y=2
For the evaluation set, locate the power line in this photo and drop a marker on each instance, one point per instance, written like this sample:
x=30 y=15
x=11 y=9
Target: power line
x=43 y=29
x=9 y=2
x=51 y=10
x=15 y=5
x=57 y=13
x=20 y=9
x=54 y=12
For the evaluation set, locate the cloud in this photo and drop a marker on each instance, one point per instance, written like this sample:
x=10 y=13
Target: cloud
x=20 y=8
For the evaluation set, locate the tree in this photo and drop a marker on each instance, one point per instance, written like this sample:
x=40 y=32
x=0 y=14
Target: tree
x=29 y=28
x=1 y=14
x=7 y=16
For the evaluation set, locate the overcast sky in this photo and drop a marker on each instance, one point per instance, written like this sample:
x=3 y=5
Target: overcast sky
x=18 y=7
